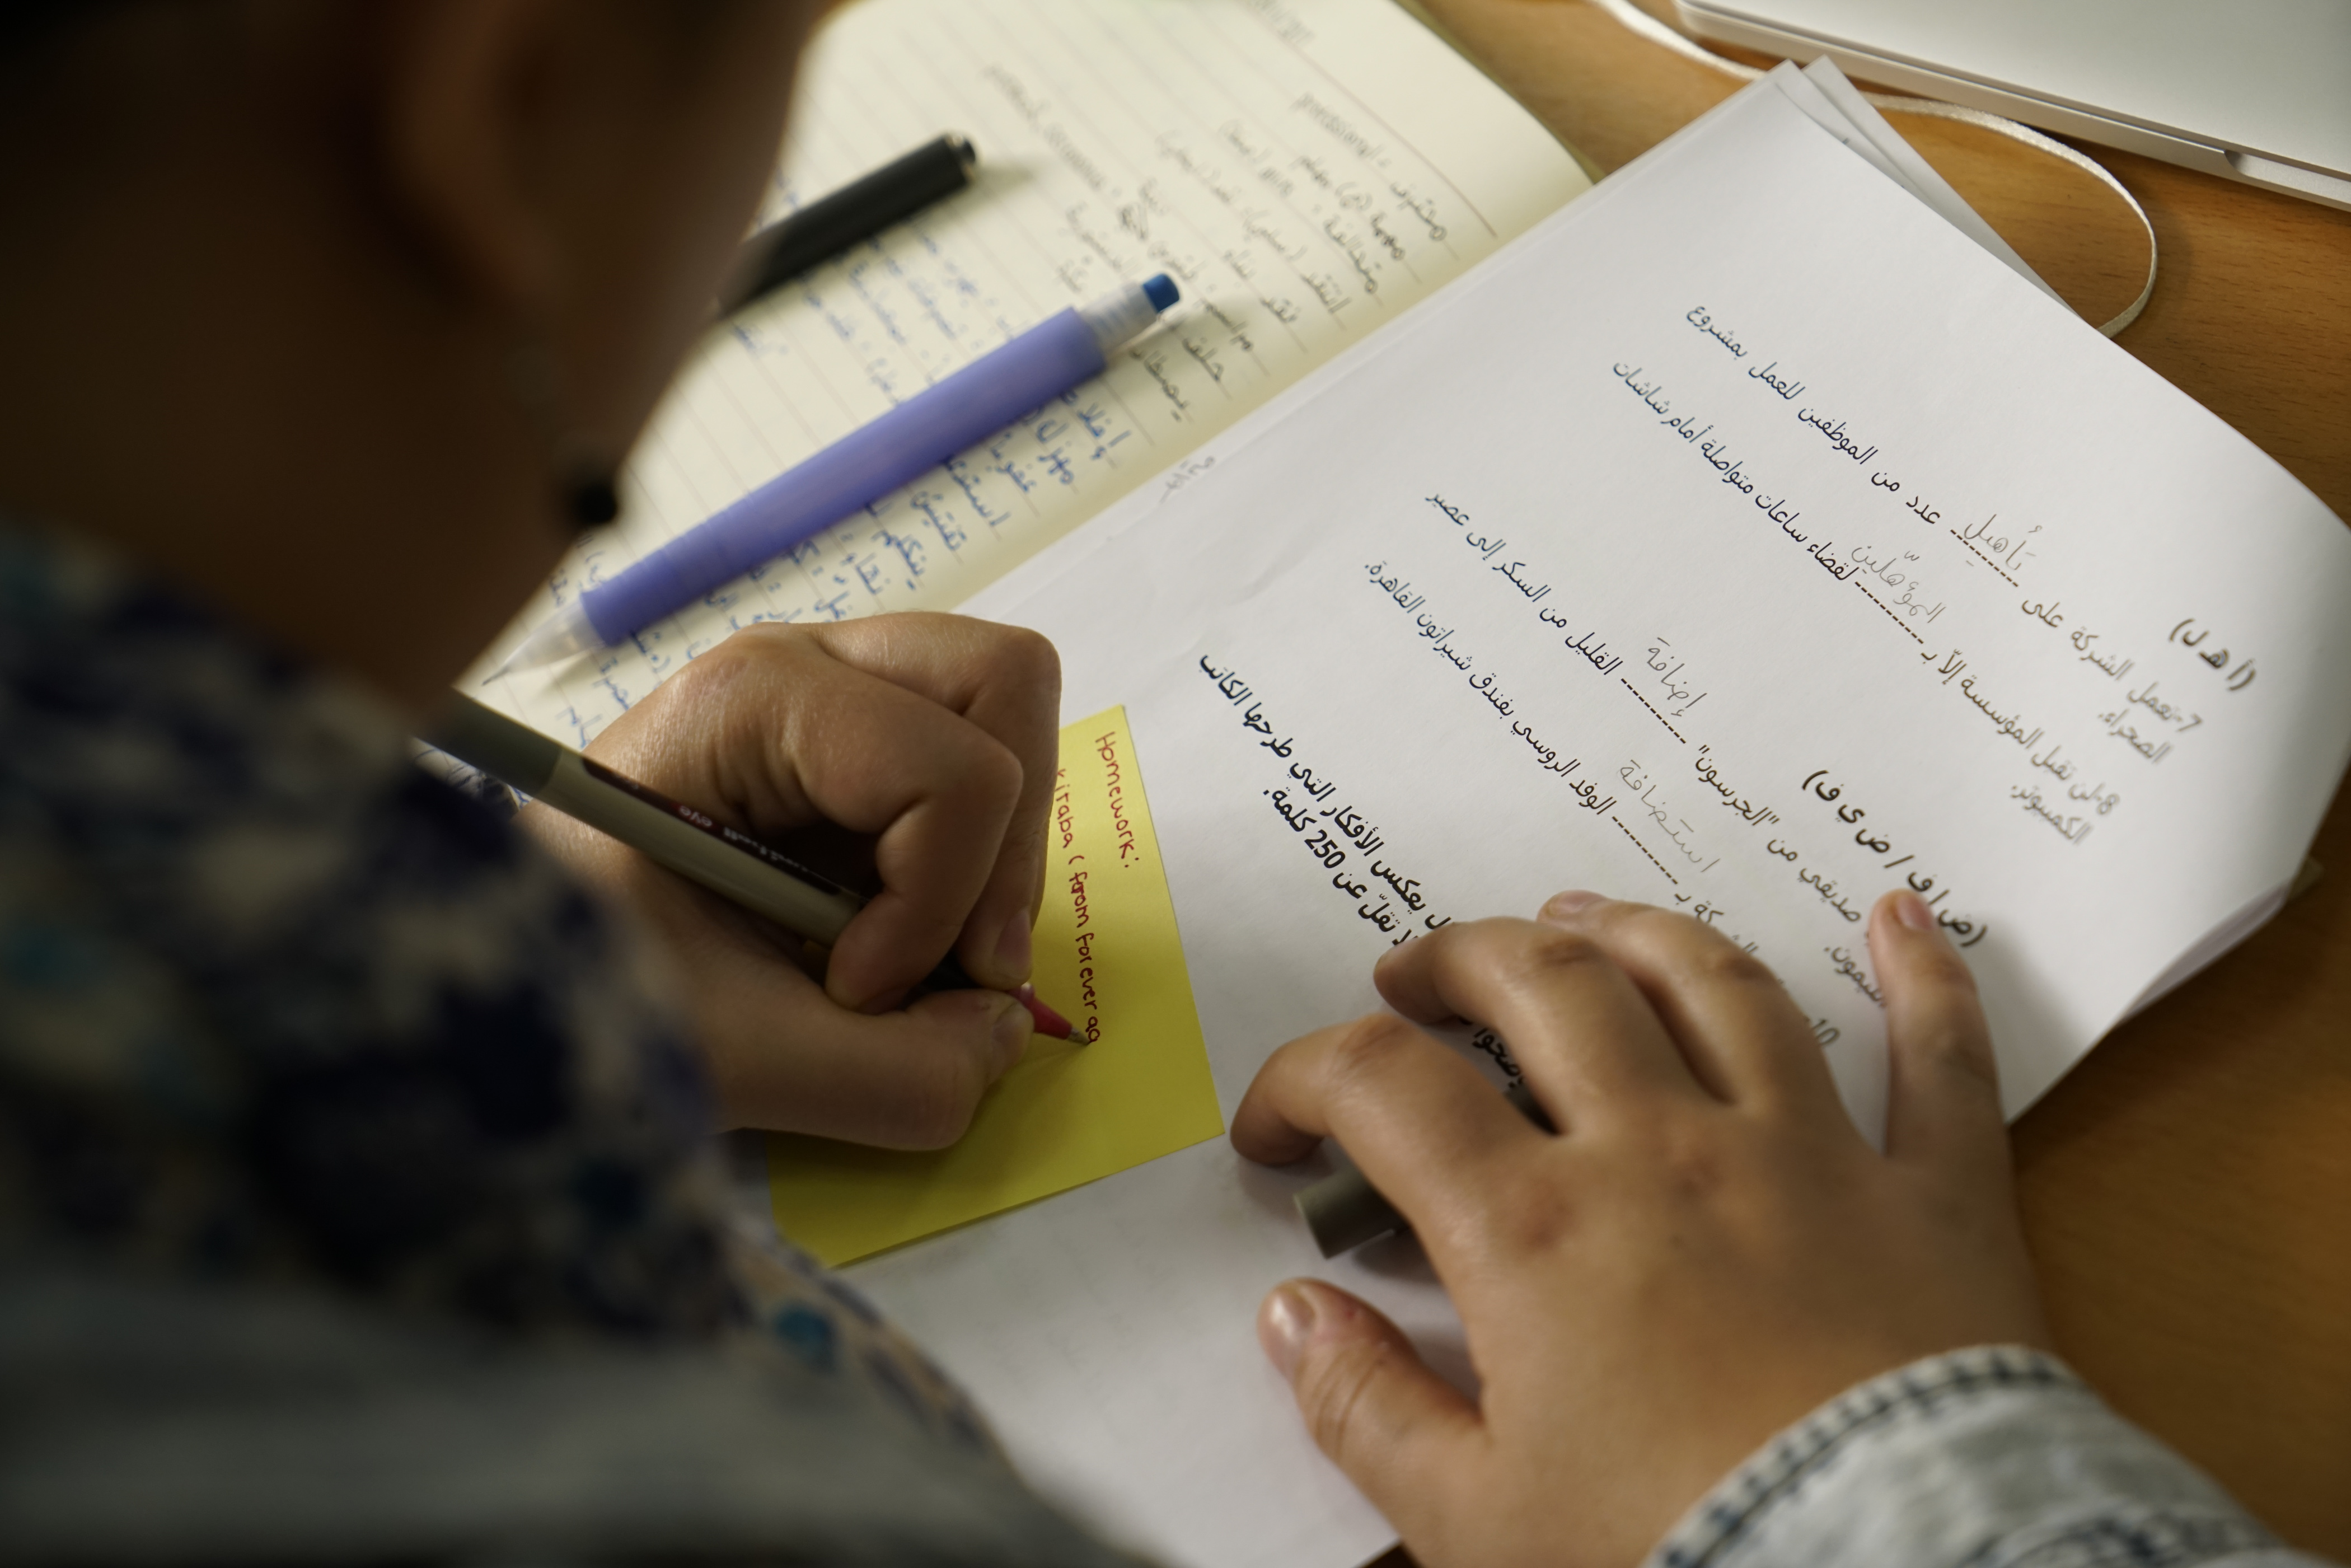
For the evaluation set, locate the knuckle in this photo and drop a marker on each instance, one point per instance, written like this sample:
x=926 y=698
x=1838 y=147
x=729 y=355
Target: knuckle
x=1534 y=1219
x=1027 y=658
x=1366 y=1049
x=761 y=640
x=1692 y=1164
x=762 y=636
x=1719 y=963
x=706 y=679
x=1530 y=955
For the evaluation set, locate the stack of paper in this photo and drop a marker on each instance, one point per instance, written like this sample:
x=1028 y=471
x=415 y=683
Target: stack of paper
x=1746 y=540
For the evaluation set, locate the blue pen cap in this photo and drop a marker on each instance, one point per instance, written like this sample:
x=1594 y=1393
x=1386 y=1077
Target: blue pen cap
x=1161 y=291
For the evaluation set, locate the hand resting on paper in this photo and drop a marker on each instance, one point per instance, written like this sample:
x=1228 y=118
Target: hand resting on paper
x=1706 y=1251
x=932 y=740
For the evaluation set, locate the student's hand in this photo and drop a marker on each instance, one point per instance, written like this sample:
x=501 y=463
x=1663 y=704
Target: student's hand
x=1706 y=1251
x=933 y=736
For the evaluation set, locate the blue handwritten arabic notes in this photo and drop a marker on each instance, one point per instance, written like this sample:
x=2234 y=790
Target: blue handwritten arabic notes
x=1746 y=540
x=1305 y=171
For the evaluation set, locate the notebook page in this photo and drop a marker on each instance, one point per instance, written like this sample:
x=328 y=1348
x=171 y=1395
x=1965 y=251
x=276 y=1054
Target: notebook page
x=1745 y=541
x=1305 y=171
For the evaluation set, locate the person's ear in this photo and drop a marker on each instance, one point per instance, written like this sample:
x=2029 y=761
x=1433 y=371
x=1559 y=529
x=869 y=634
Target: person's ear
x=465 y=90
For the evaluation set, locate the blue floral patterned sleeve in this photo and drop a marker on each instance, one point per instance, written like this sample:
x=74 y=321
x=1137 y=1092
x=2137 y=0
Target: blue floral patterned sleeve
x=277 y=1002
x=289 y=1026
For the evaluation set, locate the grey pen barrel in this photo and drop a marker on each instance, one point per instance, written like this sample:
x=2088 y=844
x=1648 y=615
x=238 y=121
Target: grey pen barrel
x=1343 y=1210
x=690 y=843
x=515 y=755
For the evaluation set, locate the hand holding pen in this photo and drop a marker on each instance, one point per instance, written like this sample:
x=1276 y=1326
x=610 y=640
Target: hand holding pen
x=932 y=736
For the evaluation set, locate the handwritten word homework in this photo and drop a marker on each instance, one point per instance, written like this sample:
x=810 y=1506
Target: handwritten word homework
x=1106 y=950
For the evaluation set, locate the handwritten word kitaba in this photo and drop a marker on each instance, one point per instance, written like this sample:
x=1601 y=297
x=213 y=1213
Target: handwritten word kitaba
x=1335 y=835
x=1966 y=932
x=1065 y=822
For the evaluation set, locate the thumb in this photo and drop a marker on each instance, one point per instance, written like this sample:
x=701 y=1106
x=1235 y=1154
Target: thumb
x=1943 y=1105
x=1371 y=1404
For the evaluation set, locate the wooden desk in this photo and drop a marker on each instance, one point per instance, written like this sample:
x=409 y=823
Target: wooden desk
x=2187 y=1188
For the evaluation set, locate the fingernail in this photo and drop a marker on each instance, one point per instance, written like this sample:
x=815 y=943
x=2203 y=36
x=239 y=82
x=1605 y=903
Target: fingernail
x=1912 y=911
x=1284 y=1327
x=1010 y=1032
x=1568 y=905
x=1012 y=949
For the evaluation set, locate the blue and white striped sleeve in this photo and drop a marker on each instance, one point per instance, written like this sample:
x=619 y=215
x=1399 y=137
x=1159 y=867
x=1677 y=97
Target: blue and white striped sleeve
x=1997 y=1457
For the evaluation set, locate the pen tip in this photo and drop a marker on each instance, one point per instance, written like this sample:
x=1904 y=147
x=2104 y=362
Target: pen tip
x=1048 y=1022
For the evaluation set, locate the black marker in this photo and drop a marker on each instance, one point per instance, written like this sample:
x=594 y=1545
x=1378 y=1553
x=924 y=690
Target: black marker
x=858 y=211
x=1343 y=1210
x=696 y=845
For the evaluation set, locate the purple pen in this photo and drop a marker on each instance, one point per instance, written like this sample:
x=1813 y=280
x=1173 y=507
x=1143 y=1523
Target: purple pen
x=927 y=429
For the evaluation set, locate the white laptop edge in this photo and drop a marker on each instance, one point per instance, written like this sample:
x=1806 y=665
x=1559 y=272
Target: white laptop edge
x=2250 y=168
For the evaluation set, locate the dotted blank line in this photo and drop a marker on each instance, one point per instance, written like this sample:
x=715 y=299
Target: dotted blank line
x=1653 y=713
x=1989 y=561
x=1645 y=850
x=1891 y=616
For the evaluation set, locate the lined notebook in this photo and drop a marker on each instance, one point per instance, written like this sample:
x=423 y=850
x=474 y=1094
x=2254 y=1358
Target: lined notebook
x=1750 y=536
x=1305 y=171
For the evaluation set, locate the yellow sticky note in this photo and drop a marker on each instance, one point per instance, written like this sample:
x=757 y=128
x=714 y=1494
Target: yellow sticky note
x=1108 y=956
